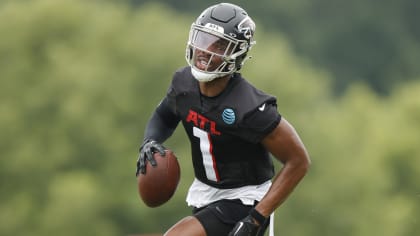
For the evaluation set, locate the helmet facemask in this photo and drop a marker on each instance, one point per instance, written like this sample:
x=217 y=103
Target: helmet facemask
x=212 y=54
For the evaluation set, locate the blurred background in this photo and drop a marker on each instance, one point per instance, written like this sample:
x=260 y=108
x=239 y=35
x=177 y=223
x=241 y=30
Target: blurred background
x=80 y=78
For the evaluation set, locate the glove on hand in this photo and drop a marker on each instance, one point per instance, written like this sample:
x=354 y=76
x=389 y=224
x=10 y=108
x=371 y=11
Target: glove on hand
x=147 y=149
x=245 y=227
x=248 y=225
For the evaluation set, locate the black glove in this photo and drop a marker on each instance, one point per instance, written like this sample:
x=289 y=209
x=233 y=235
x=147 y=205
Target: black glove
x=147 y=149
x=249 y=226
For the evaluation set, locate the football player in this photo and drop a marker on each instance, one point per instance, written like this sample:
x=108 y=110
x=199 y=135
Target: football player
x=232 y=127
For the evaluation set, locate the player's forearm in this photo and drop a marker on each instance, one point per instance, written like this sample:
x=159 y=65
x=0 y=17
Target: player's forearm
x=283 y=184
x=157 y=129
x=162 y=123
x=286 y=146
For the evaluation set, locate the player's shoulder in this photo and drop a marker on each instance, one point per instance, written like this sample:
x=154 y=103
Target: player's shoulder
x=182 y=79
x=246 y=92
x=183 y=73
x=243 y=85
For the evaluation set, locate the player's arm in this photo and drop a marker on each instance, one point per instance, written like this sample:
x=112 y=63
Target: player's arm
x=162 y=123
x=284 y=143
x=286 y=146
x=160 y=127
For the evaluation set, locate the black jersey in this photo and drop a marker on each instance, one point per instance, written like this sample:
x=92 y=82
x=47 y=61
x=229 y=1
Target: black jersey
x=225 y=131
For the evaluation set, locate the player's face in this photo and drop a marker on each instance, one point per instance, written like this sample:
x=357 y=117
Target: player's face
x=210 y=51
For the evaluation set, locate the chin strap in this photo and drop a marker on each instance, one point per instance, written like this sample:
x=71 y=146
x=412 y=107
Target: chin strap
x=207 y=77
x=203 y=77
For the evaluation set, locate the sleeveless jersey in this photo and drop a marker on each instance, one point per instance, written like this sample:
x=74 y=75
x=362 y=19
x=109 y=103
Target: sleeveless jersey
x=225 y=131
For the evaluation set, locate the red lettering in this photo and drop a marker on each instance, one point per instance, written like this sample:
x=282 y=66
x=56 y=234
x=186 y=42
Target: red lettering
x=203 y=121
x=213 y=128
x=192 y=116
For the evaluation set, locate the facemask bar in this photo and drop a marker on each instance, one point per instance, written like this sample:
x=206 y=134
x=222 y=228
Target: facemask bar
x=201 y=37
x=219 y=46
x=210 y=45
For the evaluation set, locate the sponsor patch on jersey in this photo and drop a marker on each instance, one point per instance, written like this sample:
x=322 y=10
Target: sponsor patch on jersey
x=228 y=116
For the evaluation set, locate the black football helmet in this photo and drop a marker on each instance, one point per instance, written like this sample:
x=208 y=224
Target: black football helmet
x=219 y=41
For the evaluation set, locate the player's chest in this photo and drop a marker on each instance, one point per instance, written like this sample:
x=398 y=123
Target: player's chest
x=214 y=115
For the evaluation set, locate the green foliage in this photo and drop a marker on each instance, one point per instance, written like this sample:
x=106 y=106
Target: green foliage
x=76 y=81
x=361 y=40
x=79 y=80
x=351 y=188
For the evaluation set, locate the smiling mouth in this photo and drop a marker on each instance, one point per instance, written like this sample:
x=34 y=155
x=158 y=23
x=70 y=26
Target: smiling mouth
x=202 y=63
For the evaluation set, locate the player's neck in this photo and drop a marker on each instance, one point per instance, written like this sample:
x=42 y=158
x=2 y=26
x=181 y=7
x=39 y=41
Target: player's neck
x=214 y=87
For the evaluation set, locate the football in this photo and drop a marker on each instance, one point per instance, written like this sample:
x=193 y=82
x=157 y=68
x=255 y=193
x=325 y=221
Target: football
x=159 y=183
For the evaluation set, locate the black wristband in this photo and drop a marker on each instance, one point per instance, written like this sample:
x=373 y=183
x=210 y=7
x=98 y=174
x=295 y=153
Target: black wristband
x=257 y=216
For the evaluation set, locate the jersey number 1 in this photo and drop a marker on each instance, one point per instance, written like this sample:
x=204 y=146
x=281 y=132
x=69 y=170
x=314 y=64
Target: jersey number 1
x=206 y=148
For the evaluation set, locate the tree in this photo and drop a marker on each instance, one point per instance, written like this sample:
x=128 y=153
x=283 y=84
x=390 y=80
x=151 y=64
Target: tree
x=79 y=80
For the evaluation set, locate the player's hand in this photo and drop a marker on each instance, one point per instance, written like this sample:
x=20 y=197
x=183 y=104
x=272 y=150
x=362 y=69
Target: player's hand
x=245 y=227
x=250 y=225
x=147 y=149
